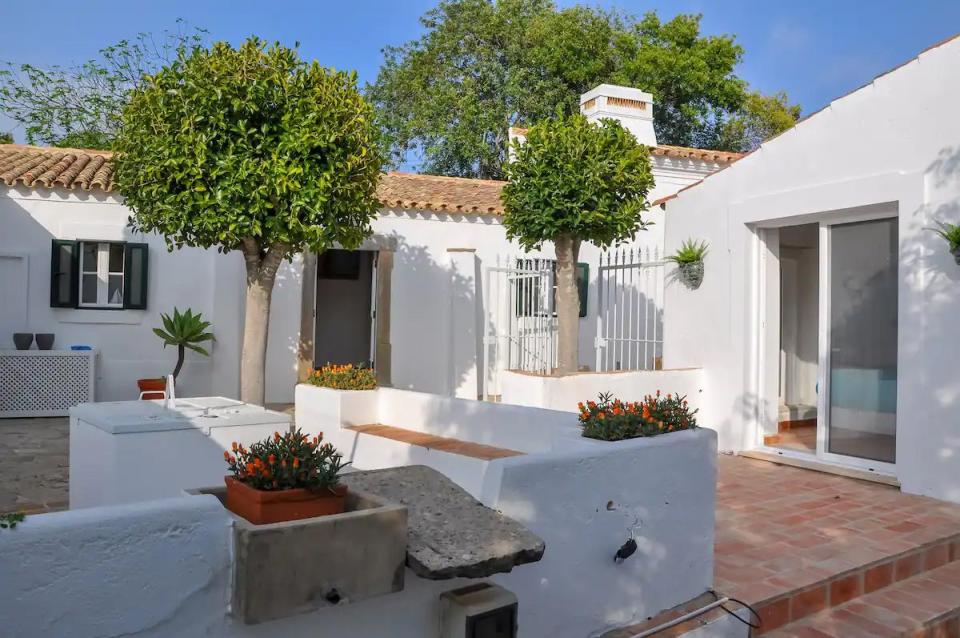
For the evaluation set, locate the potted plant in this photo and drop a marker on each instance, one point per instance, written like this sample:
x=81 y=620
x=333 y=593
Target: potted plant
x=689 y=261
x=951 y=233
x=183 y=330
x=284 y=478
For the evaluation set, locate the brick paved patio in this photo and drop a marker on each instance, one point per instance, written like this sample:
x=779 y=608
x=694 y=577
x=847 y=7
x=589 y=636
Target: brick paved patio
x=34 y=464
x=798 y=544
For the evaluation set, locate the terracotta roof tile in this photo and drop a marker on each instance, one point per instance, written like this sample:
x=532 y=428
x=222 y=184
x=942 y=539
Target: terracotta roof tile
x=69 y=168
x=37 y=167
x=444 y=194
x=665 y=150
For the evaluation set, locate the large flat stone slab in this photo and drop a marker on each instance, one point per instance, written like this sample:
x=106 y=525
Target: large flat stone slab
x=450 y=533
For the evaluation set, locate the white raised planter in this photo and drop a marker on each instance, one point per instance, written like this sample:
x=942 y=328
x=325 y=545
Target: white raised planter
x=563 y=393
x=128 y=451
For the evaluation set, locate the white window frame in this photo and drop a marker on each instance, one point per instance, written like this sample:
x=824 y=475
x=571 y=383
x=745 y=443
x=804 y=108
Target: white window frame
x=103 y=273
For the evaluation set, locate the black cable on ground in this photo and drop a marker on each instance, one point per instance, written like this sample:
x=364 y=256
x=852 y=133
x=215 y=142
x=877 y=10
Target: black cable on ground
x=753 y=611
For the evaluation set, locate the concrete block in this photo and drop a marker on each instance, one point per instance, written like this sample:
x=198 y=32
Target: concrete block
x=290 y=568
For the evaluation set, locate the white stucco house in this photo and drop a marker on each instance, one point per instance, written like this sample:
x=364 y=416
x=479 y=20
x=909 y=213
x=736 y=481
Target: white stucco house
x=832 y=307
x=410 y=301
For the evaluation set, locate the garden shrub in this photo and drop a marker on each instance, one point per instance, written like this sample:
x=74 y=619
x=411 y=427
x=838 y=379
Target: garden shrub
x=344 y=377
x=610 y=419
x=285 y=462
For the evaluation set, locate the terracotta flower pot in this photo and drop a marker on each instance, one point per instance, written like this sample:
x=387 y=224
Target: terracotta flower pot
x=261 y=507
x=154 y=388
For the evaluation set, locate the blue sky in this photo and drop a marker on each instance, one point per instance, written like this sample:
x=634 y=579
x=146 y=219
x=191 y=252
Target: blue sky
x=815 y=50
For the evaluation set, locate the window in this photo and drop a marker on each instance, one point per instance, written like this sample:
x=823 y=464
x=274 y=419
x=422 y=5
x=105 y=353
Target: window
x=96 y=274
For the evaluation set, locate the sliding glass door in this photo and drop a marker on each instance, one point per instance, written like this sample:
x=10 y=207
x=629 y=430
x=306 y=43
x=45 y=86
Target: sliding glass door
x=859 y=403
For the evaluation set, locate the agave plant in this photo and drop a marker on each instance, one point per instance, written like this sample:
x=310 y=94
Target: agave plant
x=690 y=252
x=184 y=330
x=689 y=261
x=951 y=234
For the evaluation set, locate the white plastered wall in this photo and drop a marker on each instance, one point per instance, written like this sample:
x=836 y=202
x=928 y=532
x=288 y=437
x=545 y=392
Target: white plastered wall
x=893 y=145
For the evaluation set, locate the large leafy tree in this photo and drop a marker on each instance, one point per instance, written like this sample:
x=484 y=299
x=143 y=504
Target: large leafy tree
x=80 y=106
x=250 y=149
x=484 y=65
x=574 y=181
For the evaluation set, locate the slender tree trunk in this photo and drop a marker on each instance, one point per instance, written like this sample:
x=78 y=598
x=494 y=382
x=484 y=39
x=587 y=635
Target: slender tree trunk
x=181 y=353
x=261 y=272
x=568 y=305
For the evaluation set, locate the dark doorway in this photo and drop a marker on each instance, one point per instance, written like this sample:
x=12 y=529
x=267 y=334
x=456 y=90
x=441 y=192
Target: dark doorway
x=344 y=310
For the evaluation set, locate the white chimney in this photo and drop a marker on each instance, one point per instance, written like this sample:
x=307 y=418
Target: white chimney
x=633 y=108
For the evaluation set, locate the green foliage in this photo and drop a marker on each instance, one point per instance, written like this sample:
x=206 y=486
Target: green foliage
x=571 y=177
x=232 y=146
x=11 y=520
x=611 y=419
x=484 y=65
x=185 y=331
x=80 y=106
x=286 y=462
x=950 y=233
x=760 y=118
x=6 y=138
x=690 y=252
x=344 y=377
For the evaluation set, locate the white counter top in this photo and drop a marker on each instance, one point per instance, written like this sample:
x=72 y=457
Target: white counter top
x=205 y=413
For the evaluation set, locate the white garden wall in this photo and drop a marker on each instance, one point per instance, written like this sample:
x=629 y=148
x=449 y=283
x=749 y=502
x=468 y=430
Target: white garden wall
x=563 y=393
x=162 y=567
x=891 y=146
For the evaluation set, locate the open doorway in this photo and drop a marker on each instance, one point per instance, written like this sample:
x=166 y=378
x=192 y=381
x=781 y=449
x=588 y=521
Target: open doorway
x=799 y=333
x=828 y=341
x=345 y=308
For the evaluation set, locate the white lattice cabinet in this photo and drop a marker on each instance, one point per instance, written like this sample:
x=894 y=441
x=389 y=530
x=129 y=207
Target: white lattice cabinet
x=45 y=382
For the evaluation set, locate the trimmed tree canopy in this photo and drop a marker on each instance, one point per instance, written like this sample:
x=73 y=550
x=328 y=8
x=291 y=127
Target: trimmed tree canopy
x=574 y=181
x=228 y=145
x=571 y=177
x=250 y=149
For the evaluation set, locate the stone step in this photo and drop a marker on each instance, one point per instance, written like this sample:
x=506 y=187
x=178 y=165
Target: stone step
x=434 y=442
x=852 y=585
x=927 y=604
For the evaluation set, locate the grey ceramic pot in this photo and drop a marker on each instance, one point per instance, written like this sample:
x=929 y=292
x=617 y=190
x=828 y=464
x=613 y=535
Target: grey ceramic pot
x=22 y=340
x=45 y=340
x=691 y=274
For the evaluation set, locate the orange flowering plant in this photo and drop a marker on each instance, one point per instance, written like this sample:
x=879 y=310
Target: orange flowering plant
x=344 y=377
x=611 y=419
x=285 y=462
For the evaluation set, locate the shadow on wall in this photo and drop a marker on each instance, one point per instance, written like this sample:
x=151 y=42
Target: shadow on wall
x=929 y=389
x=430 y=352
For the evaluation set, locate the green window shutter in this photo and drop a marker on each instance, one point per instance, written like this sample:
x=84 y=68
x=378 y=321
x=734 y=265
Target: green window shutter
x=583 y=284
x=135 y=276
x=64 y=274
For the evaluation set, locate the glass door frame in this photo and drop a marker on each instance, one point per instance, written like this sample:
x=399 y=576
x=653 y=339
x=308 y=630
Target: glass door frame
x=765 y=257
x=825 y=344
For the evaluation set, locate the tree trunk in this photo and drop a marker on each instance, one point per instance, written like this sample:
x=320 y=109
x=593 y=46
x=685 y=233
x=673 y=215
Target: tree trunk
x=568 y=305
x=261 y=272
x=181 y=353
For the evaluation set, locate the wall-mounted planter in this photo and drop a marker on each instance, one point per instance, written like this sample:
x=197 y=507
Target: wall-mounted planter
x=691 y=274
x=284 y=569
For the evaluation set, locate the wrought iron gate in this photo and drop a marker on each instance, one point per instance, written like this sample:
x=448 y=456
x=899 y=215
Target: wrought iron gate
x=630 y=310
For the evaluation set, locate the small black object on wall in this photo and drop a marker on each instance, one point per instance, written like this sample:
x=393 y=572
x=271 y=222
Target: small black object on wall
x=626 y=551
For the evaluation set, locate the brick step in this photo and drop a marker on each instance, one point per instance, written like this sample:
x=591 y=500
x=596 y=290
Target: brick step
x=434 y=442
x=855 y=584
x=927 y=604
